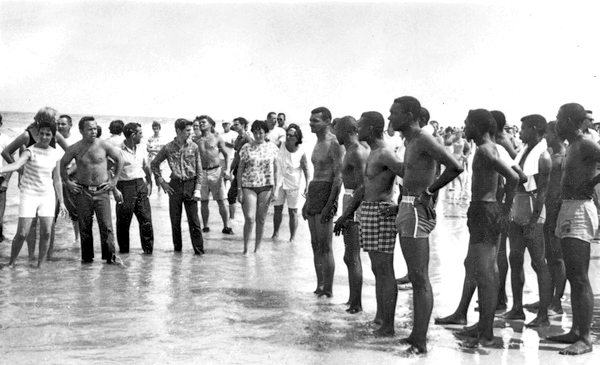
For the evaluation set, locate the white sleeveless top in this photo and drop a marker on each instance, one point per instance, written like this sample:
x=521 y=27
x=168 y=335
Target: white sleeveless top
x=289 y=165
x=37 y=175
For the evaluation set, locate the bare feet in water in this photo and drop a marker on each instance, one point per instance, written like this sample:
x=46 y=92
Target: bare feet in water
x=451 y=319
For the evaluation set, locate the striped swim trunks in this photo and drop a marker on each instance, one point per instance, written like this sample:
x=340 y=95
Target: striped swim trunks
x=377 y=233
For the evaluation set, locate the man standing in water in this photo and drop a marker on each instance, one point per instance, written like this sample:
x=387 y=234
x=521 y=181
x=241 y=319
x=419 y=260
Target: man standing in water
x=577 y=223
x=353 y=175
x=213 y=175
x=321 y=200
x=484 y=219
x=416 y=214
x=184 y=160
x=90 y=187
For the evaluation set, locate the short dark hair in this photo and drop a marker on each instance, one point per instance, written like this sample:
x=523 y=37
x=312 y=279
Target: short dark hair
x=483 y=120
x=536 y=121
x=116 y=127
x=210 y=120
x=410 y=104
x=243 y=122
x=130 y=128
x=296 y=128
x=575 y=112
x=68 y=118
x=268 y=115
x=181 y=123
x=98 y=131
x=156 y=124
x=282 y=114
x=47 y=123
x=260 y=124
x=424 y=115
x=324 y=112
x=499 y=118
x=85 y=119
x=375 y=119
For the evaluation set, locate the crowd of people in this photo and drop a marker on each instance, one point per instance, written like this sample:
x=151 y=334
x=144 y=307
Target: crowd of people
x=538 y=194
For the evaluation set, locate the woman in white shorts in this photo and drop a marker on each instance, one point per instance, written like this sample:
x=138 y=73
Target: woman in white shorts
x=40 y=187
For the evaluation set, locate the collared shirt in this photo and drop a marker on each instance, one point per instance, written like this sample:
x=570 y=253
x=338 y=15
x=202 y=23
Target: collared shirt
x=184 y=161
x=134 y=161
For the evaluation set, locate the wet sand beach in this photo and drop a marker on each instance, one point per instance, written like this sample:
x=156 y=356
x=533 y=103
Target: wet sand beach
x=226 y=308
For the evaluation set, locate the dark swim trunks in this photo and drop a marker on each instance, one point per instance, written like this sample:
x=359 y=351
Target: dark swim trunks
x=483 y=220
x=317 y=197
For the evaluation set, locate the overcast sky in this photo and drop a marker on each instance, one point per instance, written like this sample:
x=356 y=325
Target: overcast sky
x=246 y=59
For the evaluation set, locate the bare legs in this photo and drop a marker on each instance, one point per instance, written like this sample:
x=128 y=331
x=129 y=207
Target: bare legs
x=277 y=218
x=416 y=254
x=223 y=211
x=321 y=235
x=23 y=230
x=352 y=260
x=386 y=291
x=255 y=208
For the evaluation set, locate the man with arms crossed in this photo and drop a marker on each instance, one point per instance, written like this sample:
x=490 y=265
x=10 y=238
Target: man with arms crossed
x=484 y=219
x=353 y=175
x=321 y=200
x=577 y=223
x=416 y=214
x=213 y=175
x=90 y=186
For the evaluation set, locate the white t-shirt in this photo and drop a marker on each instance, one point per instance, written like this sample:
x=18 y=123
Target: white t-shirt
x=289 y=165
x=277 y=134
x=37 y=176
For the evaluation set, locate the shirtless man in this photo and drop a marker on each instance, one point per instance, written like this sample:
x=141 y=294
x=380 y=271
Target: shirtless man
x=322 y=197
x=422 y=154
x=213 y=175
x=528 y=215
x=90 y=186
x=377 y=226
x=484 y=220
x=502 y=139
x=576 y=223
x=353 y=173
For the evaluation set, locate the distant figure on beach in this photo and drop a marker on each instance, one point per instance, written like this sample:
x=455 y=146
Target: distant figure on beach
x=24 y=140
x=155 y=143
x=116 y=133
x=184 y=186
x=416 y=213
x=228 y=136
x=276 y=134
x=528 y=216
x=577 y=223
x=133 y=192
x=90 y=186
x=293 y=164
x=353 y=176
x=484 y=219
x=321 y=201
x=213 y=175
x=240 y=125
x=257 y=180
x=41 y=188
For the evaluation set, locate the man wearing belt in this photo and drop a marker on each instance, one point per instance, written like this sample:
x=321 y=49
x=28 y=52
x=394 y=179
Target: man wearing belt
x=133 y=191
x=213 y=177
x=91 y=186
x=183 y=157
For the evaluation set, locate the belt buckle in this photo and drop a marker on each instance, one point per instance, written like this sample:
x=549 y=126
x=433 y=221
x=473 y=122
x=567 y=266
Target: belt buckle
x=92 y=188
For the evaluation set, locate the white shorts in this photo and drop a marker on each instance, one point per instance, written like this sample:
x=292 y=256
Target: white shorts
x=290 y=196
x=31 y=206
x=577 y=219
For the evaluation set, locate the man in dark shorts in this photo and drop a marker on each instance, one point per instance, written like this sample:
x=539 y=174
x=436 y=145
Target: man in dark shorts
x=321 y=200
x=353 y=173
x=485 y=219
x=577 y=223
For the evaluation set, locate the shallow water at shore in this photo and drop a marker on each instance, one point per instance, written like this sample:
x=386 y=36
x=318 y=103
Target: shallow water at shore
x=224 y=307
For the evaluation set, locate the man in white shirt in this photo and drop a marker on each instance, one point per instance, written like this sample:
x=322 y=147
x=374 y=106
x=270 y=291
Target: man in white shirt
x=276 y=134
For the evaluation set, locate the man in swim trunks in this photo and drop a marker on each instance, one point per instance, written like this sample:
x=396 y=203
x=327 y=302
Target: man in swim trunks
x=484 y=219
x=577 y=223
x=377 y=227
x=528 y=215
x=213 y=175
x=90 y=187
x=416 y=214
x=321 y=200
x=353 y=172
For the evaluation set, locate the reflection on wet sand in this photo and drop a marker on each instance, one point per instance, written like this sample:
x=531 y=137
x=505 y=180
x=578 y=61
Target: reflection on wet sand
x=226 y=308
